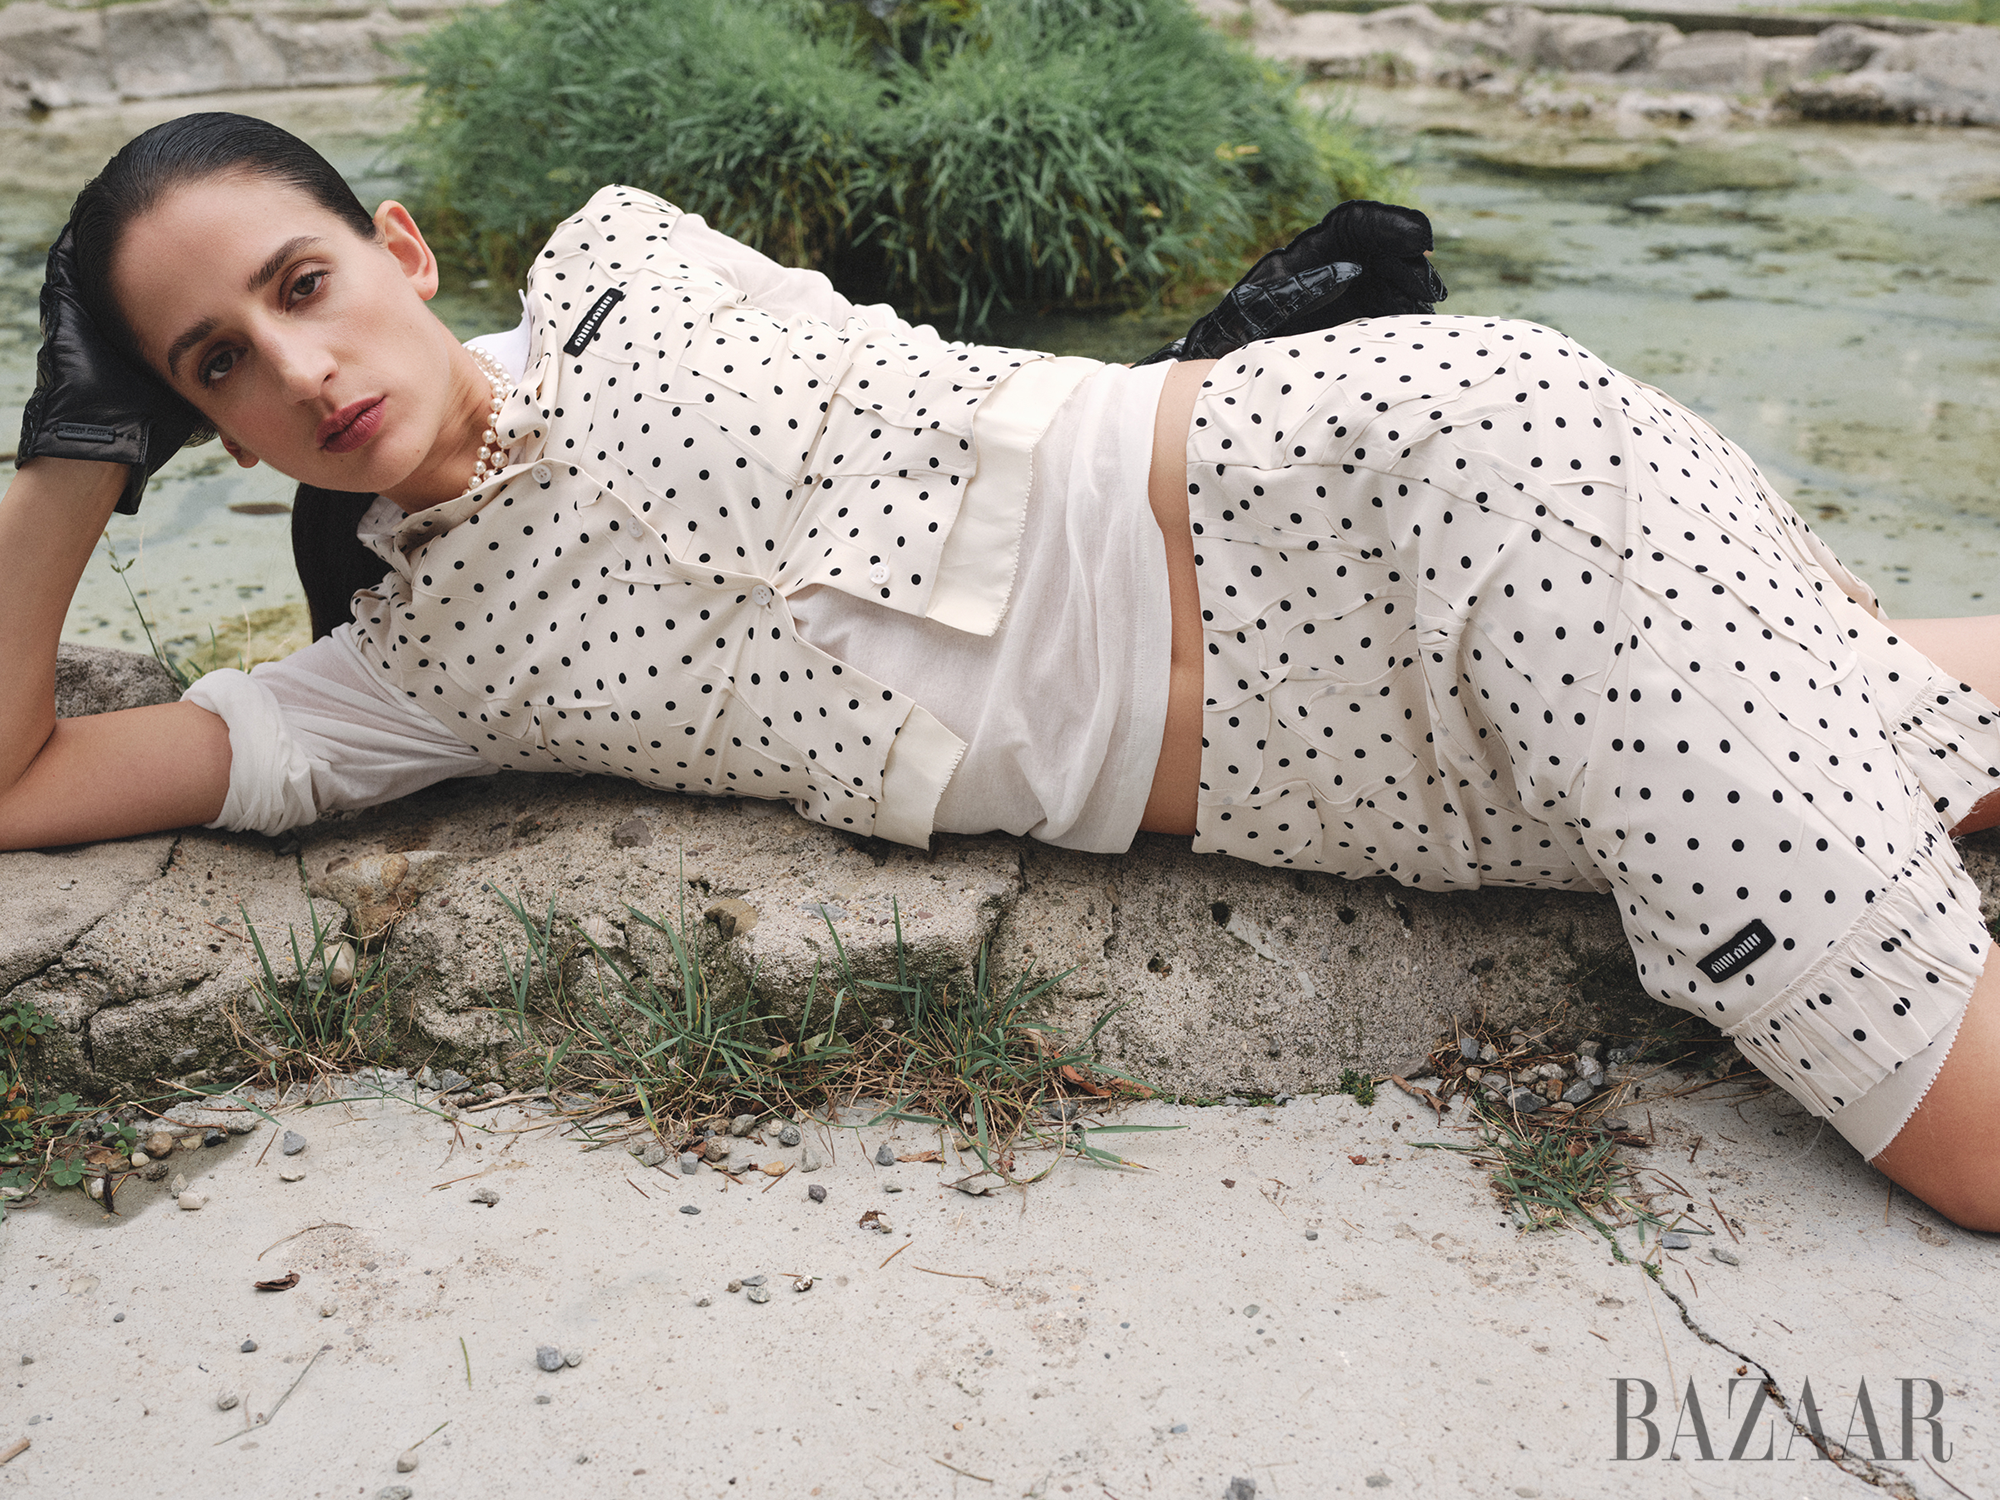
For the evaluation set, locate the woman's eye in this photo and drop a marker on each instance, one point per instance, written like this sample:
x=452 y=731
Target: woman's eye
x=217 y=365
x=306 y=285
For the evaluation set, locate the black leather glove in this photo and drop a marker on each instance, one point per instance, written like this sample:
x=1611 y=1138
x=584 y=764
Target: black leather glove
x=1363 y=260
x=93 y=403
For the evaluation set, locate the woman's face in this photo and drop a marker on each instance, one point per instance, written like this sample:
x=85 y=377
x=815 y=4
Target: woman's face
x=307 y=346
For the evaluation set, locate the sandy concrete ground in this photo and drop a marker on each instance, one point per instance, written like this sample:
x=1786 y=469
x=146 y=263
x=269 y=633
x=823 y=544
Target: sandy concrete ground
x=1255 y=1305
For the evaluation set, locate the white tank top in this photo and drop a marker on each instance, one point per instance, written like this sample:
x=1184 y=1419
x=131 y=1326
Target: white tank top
x=1064 y=706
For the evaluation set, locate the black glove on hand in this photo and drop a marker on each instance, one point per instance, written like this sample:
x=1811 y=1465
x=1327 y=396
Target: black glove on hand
x=1363 y=260
x=93 y=403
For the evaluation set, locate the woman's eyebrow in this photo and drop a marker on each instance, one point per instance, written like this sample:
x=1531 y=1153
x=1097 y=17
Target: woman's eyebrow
x=259 y=279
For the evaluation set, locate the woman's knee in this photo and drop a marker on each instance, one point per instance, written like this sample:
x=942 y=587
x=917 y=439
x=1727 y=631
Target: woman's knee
x=1948 y=1154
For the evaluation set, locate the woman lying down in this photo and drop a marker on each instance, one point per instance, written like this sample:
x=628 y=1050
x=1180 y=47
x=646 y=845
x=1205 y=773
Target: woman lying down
x=1337 y=583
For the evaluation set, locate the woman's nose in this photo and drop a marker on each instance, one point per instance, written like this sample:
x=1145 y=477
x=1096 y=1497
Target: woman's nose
x=302 y=364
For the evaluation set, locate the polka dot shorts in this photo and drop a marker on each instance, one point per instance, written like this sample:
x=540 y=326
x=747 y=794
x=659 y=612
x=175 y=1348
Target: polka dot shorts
x=1478 y=609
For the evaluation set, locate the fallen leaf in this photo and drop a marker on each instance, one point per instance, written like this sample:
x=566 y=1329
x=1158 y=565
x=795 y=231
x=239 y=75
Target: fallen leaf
x=1416 y=1093
x=282 y=1284
x=1085 y=1084
x=1359 y=1161
x=868 y=1220
x=921 y=1156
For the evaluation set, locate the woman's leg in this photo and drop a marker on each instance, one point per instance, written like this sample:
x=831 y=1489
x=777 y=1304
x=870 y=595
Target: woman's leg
x=1949 y=1152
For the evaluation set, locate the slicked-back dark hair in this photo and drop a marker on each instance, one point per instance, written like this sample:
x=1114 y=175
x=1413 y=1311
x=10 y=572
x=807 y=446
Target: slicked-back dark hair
x=194 y=148
x=191 y=149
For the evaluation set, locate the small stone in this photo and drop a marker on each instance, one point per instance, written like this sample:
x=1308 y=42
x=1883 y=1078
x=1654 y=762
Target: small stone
x=633 y=833
x=1618 y=1127
x=812 y=1159
x=572 y=1358
x=248 y=1346
x=243 y=1125
x=892 y=1187
x=689 y=1162
x=118 y=1317
x=191 y=1202
x=450 y=1082
x=704 y=1302
x=817 y=1192
x=485 y=1195
x=403 y=1491
x=1061 y=1110
x=1378 y=1481
x=549 y=1358
x=189 y=1142
x=717 y=1149
x=734 y=1286
x=1312 y=1234
x=758 y=1294
x=885 y=1155
x=340 y=968
x=406 y=1461
x=803 y=1284
x=159 y=1143
x=291 y=1174
x=214 y=1137
x=742 y=1125
x=227 y=1401
x=1674 y=1240
x=1178 y=1427
x=328 y=1309
x=1579 y=1092
x=543 y=1399
x=1241 y=1489
x=757 y=1280
x=179 y=1185
x=1252 y=1310
x=1526 y=1101
x=1468 y=1048
x=788 y=1135
x=652 y=1154
x=95 y=1188
x=27 y=1359
x=293 y=1144
x=1724 y=1254
x=689 y=1208
x=1474 y=1074
x=140 y=1158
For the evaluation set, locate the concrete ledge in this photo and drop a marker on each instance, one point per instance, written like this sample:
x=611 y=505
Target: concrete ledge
x=1227 y=977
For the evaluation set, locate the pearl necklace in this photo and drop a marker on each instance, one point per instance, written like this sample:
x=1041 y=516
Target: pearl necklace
x=490 y=446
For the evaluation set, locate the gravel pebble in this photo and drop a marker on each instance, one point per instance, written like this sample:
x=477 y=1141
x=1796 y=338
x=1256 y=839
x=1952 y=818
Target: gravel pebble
x=248 y=1346
x=572 y=1357
x=1241 y=1489
x=214 y=1137
x=758 y=1294
x=403 y=1491
x=118 y=1317
x=191 y=1201
x=543 y=1399
x=689 y=1161
x=1579 y=1092
x=485 y=1195
x=294 y=1143
x=328 y=1309
x=758 y=1280
x=1312 y=1234
x=817 y=1192
x=548 y=1357
x=406 y=1462
x=227 y=1401
x=788 y=1135
x=1673 y=1240
x=716 y=1150
x=292 y=1174
x=812 y=1159
x=1526 y=1101
x=742 y=1125
x=885 y=1155
x=704 y=1302
x=1724 y=1254
x=689 y=1208
x=652 y=1154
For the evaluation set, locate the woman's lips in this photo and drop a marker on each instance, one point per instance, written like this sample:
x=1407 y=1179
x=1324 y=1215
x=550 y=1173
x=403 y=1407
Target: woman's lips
x=351 y=426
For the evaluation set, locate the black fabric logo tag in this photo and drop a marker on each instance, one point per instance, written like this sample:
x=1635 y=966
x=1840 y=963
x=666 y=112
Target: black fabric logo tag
x=592 y=321
x=1736 y=955
x=85 y=432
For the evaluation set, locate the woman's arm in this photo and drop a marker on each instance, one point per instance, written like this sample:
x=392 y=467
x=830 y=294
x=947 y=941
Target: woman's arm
x=109 y=775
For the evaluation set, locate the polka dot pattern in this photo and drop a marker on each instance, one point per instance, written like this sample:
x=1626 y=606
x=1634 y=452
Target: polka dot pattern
x=613 y=599
x=1478 y=609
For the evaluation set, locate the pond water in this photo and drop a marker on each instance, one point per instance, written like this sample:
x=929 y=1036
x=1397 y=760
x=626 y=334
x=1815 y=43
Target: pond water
x=1828 y=296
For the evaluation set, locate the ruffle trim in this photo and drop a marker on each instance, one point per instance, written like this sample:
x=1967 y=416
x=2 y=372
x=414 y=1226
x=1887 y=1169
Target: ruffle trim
x=1898 y=979
x=1948 y=736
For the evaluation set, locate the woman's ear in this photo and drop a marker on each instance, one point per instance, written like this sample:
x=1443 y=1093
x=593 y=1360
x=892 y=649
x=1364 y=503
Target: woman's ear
x=402 y=239
x=243 y=456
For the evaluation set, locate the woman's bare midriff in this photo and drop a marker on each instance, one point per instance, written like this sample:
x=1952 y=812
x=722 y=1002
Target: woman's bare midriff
x=1177 y=780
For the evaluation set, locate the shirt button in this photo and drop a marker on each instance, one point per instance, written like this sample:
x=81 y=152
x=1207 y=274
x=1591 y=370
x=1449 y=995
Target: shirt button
x=760 y=595
x=878 y=574
x=541 y=474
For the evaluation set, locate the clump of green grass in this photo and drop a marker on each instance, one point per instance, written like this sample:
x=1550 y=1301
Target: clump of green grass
x=331 y=1011
x=670 y=1043
x=952 y=156
x=1359 y=1085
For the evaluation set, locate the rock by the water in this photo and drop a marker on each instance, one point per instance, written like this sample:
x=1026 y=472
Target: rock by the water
x=95 y=680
